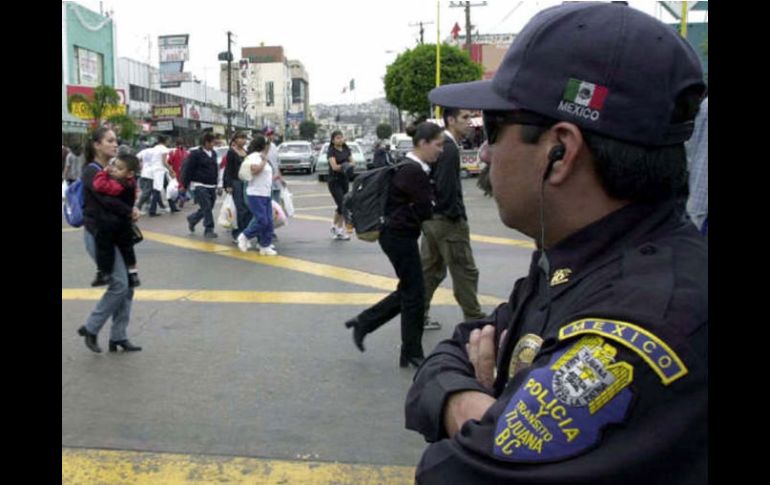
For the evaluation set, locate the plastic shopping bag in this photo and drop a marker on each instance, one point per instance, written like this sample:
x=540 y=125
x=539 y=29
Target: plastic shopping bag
x=227 y=216
x=279 y=216
x=172 y=191
x=287 y=202
x=63 y=189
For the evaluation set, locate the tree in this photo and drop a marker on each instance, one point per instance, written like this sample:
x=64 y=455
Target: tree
x=413 y=74
x=103 y=105
x=307 y=130
x=384 y=130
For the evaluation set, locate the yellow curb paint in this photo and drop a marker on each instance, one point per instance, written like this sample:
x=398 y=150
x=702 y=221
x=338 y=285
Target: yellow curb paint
x=70 y=229
x=88 y=466
x=210 y=296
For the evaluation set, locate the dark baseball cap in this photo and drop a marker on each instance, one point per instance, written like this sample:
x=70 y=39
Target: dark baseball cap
x=605 y=67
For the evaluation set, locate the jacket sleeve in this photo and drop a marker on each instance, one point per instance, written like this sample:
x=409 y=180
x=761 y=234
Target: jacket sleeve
x=444 y=173
x=446 y=371
x=231 y=170
x=191 y=168
x=413 y=182
x=104 y=184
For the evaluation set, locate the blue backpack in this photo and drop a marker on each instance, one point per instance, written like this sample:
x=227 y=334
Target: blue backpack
x=73 y=203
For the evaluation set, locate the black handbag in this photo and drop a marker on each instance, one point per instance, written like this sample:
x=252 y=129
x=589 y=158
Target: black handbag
x=138 y=237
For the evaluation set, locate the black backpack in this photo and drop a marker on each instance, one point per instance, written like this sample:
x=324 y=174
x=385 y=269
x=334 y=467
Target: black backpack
x=364 y=204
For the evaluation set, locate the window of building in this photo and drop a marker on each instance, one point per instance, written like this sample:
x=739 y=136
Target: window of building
x=269 y=94
x=90 y=67
x=297 y=91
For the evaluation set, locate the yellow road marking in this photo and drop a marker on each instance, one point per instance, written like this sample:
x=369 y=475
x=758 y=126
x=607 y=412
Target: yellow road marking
x=311 y=194
x=145 y=468
x=313 y=208
x=70 y=229
x=312 y=218
x=504 y=241
x=317 y=269
x=211 y=296
x=474 y=237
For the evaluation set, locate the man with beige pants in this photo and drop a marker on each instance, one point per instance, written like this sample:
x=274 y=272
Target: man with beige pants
x=446 y=237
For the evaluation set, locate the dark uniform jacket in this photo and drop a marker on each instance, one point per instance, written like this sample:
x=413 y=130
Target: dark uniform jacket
x=445 y=175
x=617 y=394
x=201 y=168
x=230 y=176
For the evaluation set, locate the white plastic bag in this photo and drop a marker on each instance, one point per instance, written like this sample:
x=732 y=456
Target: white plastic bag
x=279 y=216
x=227 y=216
x=287 y=202
x=63 y=189
x=172 y=191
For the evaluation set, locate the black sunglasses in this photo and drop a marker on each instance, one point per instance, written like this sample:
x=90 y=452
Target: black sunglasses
x=495 y=120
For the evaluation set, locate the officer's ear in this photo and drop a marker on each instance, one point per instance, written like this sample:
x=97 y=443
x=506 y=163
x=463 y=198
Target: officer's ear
x=564 y=145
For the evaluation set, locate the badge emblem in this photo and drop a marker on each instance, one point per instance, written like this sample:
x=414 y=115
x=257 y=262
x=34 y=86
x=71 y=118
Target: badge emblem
x=524 y=353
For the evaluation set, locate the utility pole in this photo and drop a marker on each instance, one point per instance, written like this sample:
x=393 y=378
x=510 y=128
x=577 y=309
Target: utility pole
x=468 y=26
x=422 y=30
x=229 y=85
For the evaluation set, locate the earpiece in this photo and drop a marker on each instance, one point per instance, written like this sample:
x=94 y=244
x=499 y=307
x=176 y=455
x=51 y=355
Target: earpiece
x=556 y=154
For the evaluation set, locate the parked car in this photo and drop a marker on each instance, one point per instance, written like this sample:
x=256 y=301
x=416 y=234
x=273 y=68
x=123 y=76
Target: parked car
x=322 y=163
x=400 y=148
x=297 y=155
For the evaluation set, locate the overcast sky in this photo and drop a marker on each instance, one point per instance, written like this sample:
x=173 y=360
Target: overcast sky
x=336 y=40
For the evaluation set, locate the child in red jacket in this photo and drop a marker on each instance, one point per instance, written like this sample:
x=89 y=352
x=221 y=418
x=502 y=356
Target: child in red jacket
x=119 y=181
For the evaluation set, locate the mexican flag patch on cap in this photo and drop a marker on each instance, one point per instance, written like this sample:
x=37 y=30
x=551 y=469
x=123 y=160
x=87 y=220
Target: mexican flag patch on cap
x=585 y=94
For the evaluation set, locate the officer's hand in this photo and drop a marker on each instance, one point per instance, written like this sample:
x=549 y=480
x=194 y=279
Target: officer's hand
x=135 y=214
x=462 y=406
x=229 y=190
x=482 y=354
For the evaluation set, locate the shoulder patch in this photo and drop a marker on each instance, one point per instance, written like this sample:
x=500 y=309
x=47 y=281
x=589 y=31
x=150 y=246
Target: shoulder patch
x=664 y=361
x=562 y=408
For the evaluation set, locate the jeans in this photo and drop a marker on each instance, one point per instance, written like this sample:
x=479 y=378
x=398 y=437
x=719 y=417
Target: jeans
x=116 y=301
x=241 y=208
x=408 y=299
x=261 y=224
x=204 y=197
x=149 y=193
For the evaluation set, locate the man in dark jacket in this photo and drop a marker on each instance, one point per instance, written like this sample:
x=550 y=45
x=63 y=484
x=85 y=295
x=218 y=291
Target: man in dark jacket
x=596 y=369
x=446 y=238
x=201 y=176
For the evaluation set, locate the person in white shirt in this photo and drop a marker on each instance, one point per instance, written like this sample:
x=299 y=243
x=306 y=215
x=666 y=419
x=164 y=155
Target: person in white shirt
x=154 y=170
x=259 y=175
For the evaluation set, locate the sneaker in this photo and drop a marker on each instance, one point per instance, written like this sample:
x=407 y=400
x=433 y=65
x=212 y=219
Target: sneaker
x=101 y=279
x=431 y=324
x=335 y=233
x=268 y=251
x=243 y=242
x=210 y=234
x=344 y=236
x=133 y=280
x=190 y=225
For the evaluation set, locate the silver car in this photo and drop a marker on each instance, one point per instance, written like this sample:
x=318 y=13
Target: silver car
x=322 y=165
x=297 y=155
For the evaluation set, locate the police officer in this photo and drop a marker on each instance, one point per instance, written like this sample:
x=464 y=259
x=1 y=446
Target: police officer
x=595 y=370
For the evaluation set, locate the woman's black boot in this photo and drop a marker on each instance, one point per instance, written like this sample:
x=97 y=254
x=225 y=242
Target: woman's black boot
x=125 y=344
x=90 y=339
